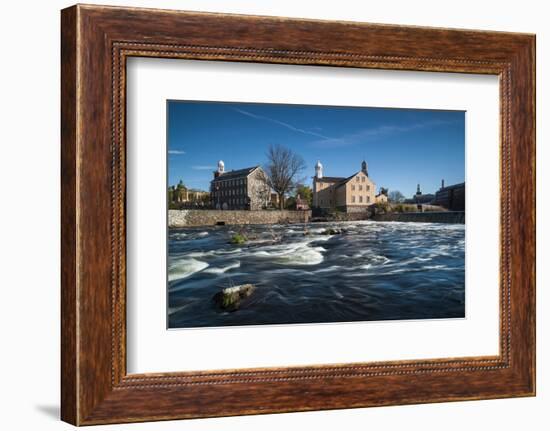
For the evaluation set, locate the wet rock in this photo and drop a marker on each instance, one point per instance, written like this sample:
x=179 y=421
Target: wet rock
x=230 y=298
x=333 y=231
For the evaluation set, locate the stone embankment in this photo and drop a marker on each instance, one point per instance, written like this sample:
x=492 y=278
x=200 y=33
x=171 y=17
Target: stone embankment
x=424 y=217
x=188 y=218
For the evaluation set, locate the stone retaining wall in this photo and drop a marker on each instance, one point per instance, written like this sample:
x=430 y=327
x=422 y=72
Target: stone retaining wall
x=186 y=218
x=426 y=217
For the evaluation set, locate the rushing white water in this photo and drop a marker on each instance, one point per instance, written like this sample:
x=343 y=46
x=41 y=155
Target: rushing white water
x=184 y=268
x=371 y=271
x=222 y=269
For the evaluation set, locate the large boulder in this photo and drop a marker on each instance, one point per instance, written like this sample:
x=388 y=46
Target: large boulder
x=333 y=231
x=230 y=298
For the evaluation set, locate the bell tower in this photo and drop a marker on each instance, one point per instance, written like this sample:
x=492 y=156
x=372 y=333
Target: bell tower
x=319 y=170
x=364 y=168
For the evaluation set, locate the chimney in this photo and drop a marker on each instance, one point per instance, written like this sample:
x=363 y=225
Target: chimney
x=442 y=184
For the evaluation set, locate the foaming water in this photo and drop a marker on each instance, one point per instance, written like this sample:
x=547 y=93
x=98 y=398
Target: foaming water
x=372 y=271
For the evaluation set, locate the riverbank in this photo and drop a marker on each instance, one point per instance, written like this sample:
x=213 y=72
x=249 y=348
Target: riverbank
x=197 y=218
x=457 y=217
x=192 y=218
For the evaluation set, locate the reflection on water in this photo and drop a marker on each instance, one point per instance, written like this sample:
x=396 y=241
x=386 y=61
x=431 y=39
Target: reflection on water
x=371 y=271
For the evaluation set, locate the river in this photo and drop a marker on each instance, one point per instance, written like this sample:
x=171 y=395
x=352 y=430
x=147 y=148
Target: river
x=372 y=271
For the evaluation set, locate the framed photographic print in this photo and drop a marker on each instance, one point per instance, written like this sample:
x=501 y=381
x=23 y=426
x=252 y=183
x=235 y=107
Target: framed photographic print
x=268 y=215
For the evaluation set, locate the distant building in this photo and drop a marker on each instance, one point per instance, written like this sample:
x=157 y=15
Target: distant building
x=182 y=195
x=242 y=189
x=350 y=194
x=381 y=198
x=451 y=197
x=420 y=198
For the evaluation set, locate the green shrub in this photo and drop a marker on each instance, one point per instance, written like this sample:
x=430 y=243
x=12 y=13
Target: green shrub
x=238 y=239
x=382 y=207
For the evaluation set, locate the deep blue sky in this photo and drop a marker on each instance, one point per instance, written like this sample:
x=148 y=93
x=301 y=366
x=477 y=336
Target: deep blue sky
x=402 y=147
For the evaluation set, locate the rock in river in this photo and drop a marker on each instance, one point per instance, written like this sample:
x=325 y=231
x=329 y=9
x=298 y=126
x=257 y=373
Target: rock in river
x=333 y=231
x=230 y=298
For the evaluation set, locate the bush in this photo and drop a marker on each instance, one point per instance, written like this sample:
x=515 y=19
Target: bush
x=238 y=239
x=381 y=207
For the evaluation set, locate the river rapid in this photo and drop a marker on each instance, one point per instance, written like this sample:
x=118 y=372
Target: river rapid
x=373 y=271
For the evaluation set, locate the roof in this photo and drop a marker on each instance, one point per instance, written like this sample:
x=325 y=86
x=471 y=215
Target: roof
x=239 y=173
x=330 y=179
x=452 y=186
x=345 y=180
x=340 y=180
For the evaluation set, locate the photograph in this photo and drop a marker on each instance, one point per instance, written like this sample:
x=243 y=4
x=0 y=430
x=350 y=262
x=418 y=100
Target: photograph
x=305 y=214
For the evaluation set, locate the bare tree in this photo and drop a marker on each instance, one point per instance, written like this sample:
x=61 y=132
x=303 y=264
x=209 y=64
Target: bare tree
x=282 y=169
x=396 y=196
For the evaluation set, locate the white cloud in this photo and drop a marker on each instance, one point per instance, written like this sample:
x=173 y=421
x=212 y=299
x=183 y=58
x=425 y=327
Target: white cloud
x=281 y=123
x=176 y=152
x=374 y=133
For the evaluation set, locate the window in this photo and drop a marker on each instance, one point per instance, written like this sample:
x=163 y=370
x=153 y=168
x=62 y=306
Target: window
x=362 y=179
x=368 y=199
x=357 y=179
x=360 y=188
x=353 y=199
x=353 y=187
x=368 y=187
x=360 y=198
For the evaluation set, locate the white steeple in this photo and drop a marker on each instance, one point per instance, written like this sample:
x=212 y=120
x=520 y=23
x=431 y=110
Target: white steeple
x=319 y=170
x=221 y=167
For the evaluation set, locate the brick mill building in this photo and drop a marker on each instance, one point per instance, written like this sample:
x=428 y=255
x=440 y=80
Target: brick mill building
x=350 y=194
x=242 y=189
x=452 y=197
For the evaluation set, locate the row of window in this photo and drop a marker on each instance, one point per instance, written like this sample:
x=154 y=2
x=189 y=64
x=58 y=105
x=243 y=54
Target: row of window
x=231 y=192
x=360 y=199
x=231 y=183
x=363 y=179
x=353 y=200
x=367 y=187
